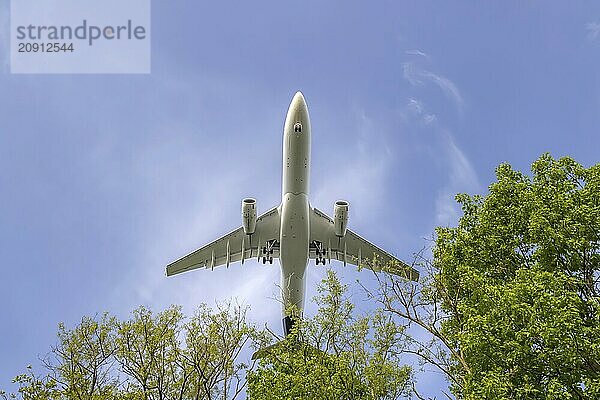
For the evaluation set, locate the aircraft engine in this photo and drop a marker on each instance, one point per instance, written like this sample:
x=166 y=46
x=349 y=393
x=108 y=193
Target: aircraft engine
x=340 y=217
x=249 y=215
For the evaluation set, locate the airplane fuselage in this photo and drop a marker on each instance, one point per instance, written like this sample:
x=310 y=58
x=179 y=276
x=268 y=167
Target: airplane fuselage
x=295 y=208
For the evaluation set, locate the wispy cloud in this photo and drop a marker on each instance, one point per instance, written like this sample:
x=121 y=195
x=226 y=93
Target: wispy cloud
x=418 y=76
x=460 y=174
x=447 y=86
x=461 y=178
x=593 y=29
x=411 y=74
x=416 y=52
x=417 y=109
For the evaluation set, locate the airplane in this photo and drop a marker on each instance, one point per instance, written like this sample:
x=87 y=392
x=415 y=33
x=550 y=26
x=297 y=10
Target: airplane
x=293 y=231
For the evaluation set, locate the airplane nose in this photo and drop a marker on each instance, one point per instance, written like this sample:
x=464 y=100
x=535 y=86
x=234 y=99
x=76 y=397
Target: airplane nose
x=298 y=101
x=299 y=96
x=298 y=111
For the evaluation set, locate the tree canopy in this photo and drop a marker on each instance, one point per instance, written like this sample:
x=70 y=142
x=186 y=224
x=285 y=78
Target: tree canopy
x=512 y=298
x=335 y=355
x=148 y=356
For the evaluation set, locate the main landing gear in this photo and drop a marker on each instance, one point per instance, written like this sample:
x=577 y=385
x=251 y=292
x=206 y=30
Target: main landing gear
x=267 y=252
x=320 y=259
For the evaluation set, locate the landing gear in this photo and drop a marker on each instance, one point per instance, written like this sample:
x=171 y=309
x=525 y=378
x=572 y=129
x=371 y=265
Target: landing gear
x=320 y=258
x=288 y=322
x=267 y=252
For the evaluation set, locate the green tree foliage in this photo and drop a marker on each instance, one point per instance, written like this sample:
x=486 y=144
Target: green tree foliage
x=513 y=297
x=222 y=335
x=145 y=358
x=334 y=355
x=79 y=366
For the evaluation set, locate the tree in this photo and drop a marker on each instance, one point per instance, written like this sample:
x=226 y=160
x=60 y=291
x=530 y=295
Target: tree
x=512 y=302
x=149 y=355
x=144 y=357
x=78 y=367
x=334 y=355
x=214 y=341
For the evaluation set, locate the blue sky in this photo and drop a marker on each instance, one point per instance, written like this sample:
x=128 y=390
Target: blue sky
x=107 y=178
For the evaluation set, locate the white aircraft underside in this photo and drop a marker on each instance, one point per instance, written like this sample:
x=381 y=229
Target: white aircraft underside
x=294 y=231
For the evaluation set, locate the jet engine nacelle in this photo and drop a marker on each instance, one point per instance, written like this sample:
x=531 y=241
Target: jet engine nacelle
x=249 y=215
x=340 y=217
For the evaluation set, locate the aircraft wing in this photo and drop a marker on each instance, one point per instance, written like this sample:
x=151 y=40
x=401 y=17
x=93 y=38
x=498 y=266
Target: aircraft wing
x=352 y=249
x=234 y=246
